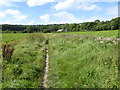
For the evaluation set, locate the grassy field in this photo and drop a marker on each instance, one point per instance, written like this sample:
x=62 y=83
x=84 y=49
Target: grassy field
x=82 y=62
x=76 y=60
x=12 y=39
x=25 y=68
x=8 y=37
x=111 y=33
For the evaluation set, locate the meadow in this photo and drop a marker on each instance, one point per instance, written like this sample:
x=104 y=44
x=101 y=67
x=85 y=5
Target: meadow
x=82 y=62
x=26 y=66
x=76 y=60
x=8 y=37
x=110 y=33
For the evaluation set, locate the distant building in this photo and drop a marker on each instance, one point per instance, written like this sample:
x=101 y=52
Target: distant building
x=60 y=30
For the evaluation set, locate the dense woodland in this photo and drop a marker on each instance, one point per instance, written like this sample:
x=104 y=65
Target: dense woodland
x=97 y=25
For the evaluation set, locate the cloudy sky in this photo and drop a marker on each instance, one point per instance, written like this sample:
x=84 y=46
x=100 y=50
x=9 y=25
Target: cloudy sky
x=56 y=11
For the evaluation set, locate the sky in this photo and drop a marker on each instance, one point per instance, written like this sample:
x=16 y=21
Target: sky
x=28 y=12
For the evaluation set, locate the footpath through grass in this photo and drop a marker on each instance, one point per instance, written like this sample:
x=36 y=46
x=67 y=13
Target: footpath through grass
x=25 y=68
x=77 y=61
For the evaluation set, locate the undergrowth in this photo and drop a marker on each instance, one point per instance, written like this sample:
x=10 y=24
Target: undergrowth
x=26 y=65
x=82 y=62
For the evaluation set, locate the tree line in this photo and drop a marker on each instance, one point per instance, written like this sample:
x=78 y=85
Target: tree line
x=97 y=25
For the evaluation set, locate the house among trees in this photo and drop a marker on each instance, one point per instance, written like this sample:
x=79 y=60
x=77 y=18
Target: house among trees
x=60 y=30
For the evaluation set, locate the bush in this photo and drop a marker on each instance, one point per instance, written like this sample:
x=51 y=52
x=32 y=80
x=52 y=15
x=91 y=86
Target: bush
x=7 y=51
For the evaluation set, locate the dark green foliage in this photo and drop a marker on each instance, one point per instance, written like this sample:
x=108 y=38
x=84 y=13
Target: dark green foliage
x=97 y=25
x=29 y=29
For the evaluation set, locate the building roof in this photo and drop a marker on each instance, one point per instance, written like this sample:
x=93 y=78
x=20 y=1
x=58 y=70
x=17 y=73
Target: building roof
x=60 y=30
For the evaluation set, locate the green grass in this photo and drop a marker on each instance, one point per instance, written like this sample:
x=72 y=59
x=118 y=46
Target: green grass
x=25 y=68
x=110 y=33
x=8 y=37
x=77 y=61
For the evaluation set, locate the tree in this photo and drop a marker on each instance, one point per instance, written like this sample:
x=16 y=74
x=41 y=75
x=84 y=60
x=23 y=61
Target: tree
x=97 y=21
x=29 y=29
x=97 y=25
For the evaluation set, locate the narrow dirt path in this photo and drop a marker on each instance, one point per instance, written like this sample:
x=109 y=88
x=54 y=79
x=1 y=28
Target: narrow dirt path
x=46 y=67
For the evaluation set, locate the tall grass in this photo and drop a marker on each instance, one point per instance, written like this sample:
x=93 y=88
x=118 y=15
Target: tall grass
x=76 y=60
x=25 y=69
x=82 y=62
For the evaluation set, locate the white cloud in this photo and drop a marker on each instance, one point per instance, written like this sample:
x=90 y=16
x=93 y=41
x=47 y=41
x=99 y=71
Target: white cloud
x=13 y=16
x=20 y=18
x=33 y=3
x=65 y=17
x=64 y=4
x=88 y=6
x=76 y=4
x=45 y=17
x=16 y=14
x=6 y=3
x=10 y=2
x=12 y=12
x=18 y=0
x=97 y=0
x=92 y=7
x=60 y=17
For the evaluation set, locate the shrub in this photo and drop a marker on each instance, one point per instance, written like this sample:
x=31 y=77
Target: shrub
x=7 y=51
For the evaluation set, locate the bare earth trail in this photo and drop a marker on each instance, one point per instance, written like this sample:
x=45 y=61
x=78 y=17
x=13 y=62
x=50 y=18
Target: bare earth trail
x=46 y=66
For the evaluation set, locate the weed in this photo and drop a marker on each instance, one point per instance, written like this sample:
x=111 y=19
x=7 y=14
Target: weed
x=7 y=51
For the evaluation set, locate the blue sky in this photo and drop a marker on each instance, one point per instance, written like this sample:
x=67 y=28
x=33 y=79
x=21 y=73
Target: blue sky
x=56 y=11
